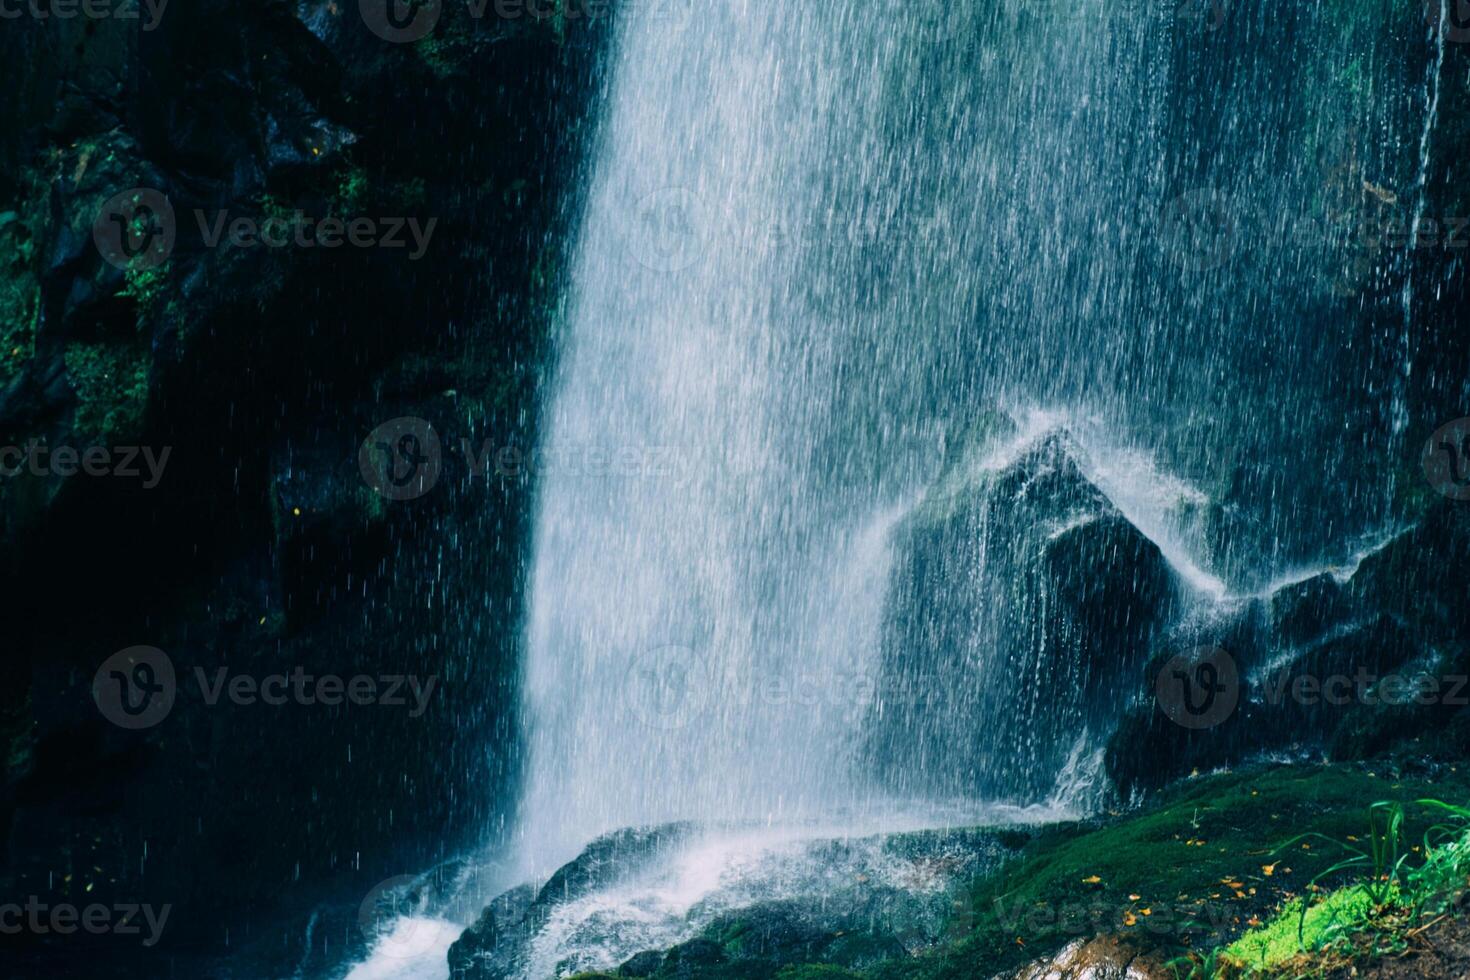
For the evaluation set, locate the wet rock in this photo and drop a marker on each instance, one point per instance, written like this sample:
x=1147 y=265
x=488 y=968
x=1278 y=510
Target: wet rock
x=496 y=945
x=609 y=859
x=692 y=959
x=1023 y=593
x=1421 y=577
x=1306 y=610
x=330 y=527
x=1352 y=669
x=645 y=964
x=489 y=948
x=1103 y=958
x=777 y=932
x=849 y=904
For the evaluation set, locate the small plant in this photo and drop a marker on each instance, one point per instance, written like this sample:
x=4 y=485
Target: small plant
x=1442 y=876
x=1375 y=915
x=1199 y=966
x=1383 y=860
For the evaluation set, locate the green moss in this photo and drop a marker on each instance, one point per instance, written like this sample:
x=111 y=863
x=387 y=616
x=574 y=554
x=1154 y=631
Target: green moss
x=20 y=297
x=352 y=190
x=1210 y=862
x=146 y=287
x=1217 y=866
x=1287 y=935
x=273 y=208
x=441 y=54
x=20 y=304
x=111 y=385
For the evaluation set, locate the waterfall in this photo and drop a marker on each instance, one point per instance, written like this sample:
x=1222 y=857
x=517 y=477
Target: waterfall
x=698 y=633
x=821 y=245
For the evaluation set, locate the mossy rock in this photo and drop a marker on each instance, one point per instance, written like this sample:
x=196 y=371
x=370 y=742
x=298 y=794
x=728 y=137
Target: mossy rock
x=111 y=385
x=1215 y=857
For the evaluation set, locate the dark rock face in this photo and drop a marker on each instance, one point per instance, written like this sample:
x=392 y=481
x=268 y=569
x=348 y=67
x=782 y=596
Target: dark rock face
x=609 y=859
x=1009 y=685
x=264 y=549
x=1352 y=668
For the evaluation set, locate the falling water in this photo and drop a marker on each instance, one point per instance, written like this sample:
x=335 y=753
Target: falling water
x=702 y=616
x=1440 y=27
x=823 y=247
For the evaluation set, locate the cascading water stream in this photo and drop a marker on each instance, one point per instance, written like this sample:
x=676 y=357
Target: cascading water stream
x=925 y=365
x=741 y=548
x=822 y=247
x=818 y=246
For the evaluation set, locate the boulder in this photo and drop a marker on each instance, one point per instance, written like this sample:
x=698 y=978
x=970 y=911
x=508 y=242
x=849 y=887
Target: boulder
x=1022 y=606
x=1305 y=611
x=609 y=859
x=1102 y=958
x=1314 y=672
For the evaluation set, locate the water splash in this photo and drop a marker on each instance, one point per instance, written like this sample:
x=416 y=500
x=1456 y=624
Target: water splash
x=823 y=245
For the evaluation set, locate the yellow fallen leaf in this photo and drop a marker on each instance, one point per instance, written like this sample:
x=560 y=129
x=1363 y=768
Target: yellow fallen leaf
x=1269 y=869
x=1129 y=919
x=1134 y=898
x=1092 y=880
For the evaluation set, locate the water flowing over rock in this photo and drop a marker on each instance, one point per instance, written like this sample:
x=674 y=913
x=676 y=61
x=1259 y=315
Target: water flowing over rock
x=679 y=902
x=812 y=292
x=1022 y=607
